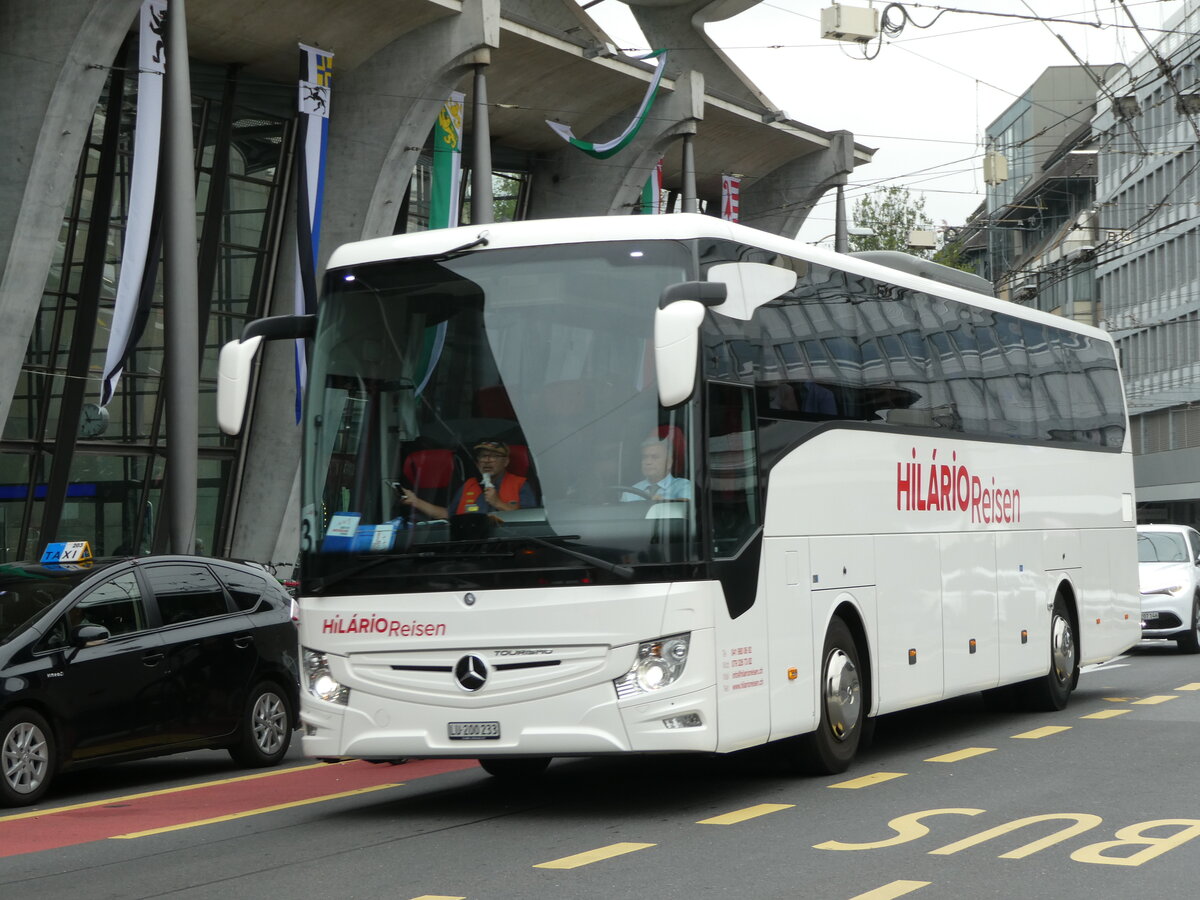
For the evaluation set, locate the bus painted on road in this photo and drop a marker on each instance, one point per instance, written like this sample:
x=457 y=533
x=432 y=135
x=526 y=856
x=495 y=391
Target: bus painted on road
x=887 y=490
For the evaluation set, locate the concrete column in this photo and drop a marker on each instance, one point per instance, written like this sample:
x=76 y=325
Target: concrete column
x=781 y=201
x=381 y=114
x=679 y=25
x=572 y=183
x=54 y=58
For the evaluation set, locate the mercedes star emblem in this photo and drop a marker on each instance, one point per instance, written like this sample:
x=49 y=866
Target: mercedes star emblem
x=471 y=673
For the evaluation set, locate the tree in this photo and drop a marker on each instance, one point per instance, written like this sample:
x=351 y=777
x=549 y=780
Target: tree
x=891 y=213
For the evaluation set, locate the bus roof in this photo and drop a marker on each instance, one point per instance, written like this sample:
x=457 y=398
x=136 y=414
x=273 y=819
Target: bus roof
x=679 y=226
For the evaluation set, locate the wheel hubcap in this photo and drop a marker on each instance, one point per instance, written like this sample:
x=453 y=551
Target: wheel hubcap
x=270 y=723
x=24 y=758
x=1062 y=649
x=842 y=694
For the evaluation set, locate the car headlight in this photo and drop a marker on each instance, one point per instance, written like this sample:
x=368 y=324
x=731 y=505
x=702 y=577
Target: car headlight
x=1169 y=591
x=321 y=682
x=659 y=663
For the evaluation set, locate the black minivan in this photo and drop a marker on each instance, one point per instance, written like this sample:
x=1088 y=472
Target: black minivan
x=117 y=659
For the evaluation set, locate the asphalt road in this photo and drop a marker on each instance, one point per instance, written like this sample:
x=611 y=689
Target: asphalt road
x=952 y=801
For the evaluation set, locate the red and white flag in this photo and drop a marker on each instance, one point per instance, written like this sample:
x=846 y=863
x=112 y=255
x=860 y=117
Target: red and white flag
x=731 y=190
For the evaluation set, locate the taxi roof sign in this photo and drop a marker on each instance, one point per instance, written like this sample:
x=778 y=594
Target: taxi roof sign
x=67 y=552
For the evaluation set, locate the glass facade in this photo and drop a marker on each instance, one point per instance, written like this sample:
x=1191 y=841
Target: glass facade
x=69 y=471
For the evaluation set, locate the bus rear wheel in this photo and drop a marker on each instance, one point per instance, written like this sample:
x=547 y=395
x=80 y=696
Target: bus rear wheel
x=1052 y=691
x=842 y=698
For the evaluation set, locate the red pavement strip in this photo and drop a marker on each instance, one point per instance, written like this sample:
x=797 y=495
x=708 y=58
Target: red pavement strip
x=212 y=801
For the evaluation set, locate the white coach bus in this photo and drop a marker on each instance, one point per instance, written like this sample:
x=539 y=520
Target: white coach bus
x=878 y=490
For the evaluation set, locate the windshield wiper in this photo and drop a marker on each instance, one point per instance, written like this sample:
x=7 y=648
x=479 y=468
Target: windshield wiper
x=481 y=241
x=337 y=577
x=622 y=571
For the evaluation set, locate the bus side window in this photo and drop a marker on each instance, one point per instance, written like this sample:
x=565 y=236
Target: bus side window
x=732 y=467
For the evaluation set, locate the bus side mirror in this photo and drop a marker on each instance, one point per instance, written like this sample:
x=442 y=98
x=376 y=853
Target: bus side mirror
x=677 y=336
x=233 y=382
x=749 y=286
x=233 y=365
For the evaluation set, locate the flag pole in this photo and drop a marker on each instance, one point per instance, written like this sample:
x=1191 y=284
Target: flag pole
x=181 y=358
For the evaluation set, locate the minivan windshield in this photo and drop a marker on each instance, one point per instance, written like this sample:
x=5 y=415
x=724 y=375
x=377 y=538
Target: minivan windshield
x=26 y=593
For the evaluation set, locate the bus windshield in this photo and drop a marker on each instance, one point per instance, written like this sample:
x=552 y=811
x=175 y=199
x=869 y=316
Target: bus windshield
x=526 y=374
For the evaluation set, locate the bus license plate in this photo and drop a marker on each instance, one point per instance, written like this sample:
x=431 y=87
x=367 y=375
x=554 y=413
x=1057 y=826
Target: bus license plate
x=474 y=731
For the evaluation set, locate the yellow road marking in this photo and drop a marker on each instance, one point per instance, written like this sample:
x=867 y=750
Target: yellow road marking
x=255 y=812
x=893 y=890
x=1194 y=686
x=175 y=790
x=1154 y=701
x=1105 y=714
x=1118 y=699
x=1042 y=732
x=966 y=753
x=750 y=812
x=591 y=856
x=868 y=780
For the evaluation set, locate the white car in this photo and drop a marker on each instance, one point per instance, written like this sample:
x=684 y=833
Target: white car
x=1169 y=575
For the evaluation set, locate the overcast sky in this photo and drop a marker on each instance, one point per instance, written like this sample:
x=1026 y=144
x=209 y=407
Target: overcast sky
x=927 y=96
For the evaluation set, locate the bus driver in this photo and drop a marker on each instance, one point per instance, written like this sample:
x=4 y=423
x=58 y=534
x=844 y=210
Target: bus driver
x=657 y=482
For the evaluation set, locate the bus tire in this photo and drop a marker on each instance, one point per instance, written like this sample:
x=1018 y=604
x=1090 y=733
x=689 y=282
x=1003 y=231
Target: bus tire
x=841 y=697
x=1190 y=641
x=1052 y=691
x=515 y=769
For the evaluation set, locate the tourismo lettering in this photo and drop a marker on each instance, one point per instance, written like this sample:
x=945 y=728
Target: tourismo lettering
x=942 y=487
x=381 y=625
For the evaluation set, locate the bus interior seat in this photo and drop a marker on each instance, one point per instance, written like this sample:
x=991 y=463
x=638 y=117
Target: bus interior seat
x=520 y=463
x=518 y=460
x=673 y=434
x=432 y=473
x=493 y=402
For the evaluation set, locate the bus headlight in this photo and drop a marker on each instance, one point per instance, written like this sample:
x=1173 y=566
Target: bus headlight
x=659 y=663
x=321 y=682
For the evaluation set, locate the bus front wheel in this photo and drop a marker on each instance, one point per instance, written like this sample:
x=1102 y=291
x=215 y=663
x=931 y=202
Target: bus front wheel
x=1051 y=692
x=831 y=748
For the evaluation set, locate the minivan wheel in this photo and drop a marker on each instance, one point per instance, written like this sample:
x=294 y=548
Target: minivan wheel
x=266 y=727
x=1190 y=641
x=27 y=757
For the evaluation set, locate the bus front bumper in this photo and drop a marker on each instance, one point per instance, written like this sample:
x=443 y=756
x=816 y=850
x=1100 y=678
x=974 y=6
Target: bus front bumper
x=585 y=722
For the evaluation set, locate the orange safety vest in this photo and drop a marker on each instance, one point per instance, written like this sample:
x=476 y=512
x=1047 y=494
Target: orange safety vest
x=472 y=494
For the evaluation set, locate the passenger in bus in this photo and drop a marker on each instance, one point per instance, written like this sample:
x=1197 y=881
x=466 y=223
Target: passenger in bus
x=658 y=482
x=495 y=490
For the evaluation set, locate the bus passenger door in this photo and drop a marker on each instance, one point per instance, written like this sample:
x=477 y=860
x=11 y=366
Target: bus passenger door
x=1024 y=620
x=909 y=600
x=970 y=613
x=789 y=643
x=734 y=515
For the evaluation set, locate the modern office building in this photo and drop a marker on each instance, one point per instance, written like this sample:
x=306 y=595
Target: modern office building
x=1148 y=260
x=73 y=468
x=1033 y=236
